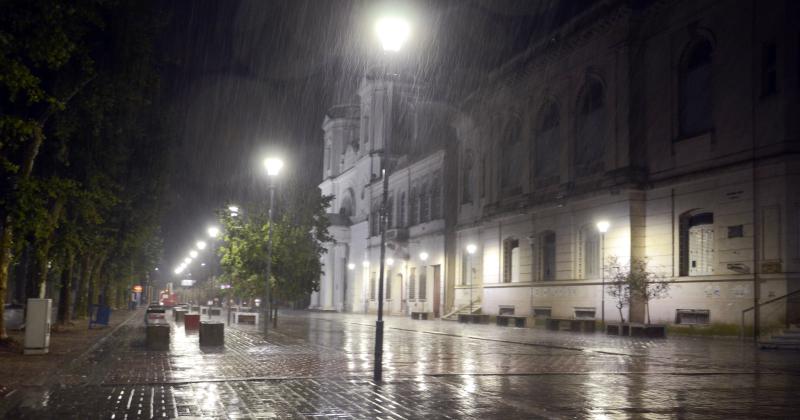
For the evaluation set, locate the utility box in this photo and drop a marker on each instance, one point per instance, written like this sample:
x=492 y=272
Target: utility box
x=37 y=326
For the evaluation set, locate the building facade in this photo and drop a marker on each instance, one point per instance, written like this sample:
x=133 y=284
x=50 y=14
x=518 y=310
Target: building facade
x=676 y=122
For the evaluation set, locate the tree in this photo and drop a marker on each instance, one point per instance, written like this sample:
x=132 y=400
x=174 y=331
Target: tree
x=298 y=236
x=634 y=281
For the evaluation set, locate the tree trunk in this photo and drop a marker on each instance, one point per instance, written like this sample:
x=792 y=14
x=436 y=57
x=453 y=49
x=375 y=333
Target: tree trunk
x=621 y=318
x=81 y=304
x=65 y=300
x=6 y=240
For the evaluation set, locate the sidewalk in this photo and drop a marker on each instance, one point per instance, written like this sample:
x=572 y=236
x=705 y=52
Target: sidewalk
x=67 y=343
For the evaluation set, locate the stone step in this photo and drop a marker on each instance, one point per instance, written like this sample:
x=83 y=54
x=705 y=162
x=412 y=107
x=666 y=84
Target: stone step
x=785 y=338
x=779 y=345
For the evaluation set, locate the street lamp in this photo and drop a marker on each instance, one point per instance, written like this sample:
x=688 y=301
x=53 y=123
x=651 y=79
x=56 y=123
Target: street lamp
x=273 y=166
x=213 y=231
x=423 y=256
x=234 y=210
x=193 y=254
x=201 y=245
x=602 y=227
x=392 y=32
x=471 y=248
x=351 y=266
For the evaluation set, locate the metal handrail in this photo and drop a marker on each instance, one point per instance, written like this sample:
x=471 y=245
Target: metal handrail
x=744 y=311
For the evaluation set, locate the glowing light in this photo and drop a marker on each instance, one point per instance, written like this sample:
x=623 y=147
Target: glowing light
x=273 y=166
x=351 y=266
x=603 y=226
x=193 y=254
x=423 y=256
x=213 y=231
x=392 y=32
x=471 y=248
x=365 y=263
x=201 y=245
x=390 y=261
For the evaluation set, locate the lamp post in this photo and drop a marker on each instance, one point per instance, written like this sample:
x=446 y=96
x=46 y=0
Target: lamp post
x=273 y=166
x=392 y=33
x=471 y=248
x=602 y=227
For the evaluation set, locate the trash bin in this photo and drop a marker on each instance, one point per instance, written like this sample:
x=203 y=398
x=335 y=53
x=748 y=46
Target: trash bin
x=191 y=321
x=179 y=314
x=212 y=334
x=158 y=337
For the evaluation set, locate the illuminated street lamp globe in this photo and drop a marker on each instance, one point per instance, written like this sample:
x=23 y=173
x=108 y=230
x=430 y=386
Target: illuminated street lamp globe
x=201 y=245
x=423 y=256
x=273 y=166
x=392 y=32
x=193 y=254
x=471 y=248
x=213 y=231
x=603 y=225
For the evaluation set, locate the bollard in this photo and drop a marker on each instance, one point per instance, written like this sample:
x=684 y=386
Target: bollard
x=212 y=334
x=158 y=337
x=179 y=314
x=191 y=321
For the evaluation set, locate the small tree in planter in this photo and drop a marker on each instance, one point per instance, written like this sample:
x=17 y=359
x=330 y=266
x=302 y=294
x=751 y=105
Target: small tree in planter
x=634 y=280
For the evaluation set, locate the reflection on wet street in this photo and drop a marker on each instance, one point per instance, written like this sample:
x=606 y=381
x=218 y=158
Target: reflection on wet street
x=320 y=365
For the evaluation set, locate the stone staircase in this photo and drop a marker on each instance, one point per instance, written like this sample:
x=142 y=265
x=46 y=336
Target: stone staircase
x=453 y=315
x=789 y=339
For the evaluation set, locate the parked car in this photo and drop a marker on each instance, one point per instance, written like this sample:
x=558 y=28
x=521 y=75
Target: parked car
x=155 y=314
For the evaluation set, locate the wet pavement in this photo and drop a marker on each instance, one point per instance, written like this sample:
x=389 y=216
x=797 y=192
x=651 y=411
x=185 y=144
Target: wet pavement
x=319 y=365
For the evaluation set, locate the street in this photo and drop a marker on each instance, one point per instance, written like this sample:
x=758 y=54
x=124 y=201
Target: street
x=319 y=365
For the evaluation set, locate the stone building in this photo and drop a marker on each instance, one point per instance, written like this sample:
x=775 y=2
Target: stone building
x=676 y=122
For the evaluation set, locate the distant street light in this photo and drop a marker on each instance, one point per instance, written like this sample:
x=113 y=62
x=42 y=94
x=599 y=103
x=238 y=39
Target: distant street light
x=193 y=254
x=273 y=166
x=602 y=227
x=201 y=245
x=351 y=266
x=365 y=263
x=390 y=262
x=187 y=260
x=471 y=249
x=423 y=256
x=213 y=231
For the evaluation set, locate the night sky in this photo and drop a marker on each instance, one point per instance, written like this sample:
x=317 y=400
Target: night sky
x=241 y=78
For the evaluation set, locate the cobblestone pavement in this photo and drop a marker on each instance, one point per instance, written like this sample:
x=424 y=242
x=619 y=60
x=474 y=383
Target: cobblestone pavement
x=320 y=366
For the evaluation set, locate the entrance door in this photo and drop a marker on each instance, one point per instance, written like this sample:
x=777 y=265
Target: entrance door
x=437 y=290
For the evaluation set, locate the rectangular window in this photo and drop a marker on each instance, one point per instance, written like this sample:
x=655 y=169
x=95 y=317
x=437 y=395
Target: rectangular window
x=423 y=283
x=412 y=280
x=584 y=313
x=510 y=260
x=505 y=310
x=549 y=256
x=692 y=316
x=542 y=312
x=387 y=287
x=769 y=68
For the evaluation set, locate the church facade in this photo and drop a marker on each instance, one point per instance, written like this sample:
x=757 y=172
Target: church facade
x=672 y=123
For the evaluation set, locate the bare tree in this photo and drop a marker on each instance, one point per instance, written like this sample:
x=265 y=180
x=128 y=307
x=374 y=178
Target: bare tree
x=634 y=281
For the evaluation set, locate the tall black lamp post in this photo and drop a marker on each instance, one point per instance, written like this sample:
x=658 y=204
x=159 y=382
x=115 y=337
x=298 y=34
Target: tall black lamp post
x=392 y=33
x=273 y=166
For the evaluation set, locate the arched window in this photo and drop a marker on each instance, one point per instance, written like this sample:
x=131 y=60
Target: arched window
x=511 y=157
x=424 y=204
x=591 y=129
x=401 y=210
x=413 y=211
x=696 y=243
x=466 y=177
x=548 y=256
x=588 y=249
x=390 y=213
x=347 y=208
x=546 y=154
x=695 y=97
x=510 y=260
x=436 y=197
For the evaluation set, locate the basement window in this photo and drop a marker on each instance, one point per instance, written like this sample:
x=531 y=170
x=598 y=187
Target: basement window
x=505 y=310
x=692 y=316
x=584 y=313
x=542 y=312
